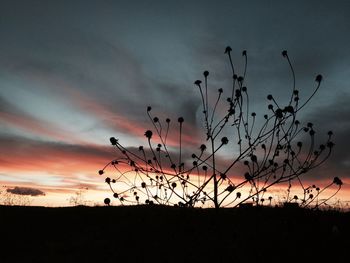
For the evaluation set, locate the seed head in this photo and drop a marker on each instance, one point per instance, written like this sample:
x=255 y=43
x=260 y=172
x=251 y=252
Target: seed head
x=337 y=181
x=318 y=78
x=107 y=201
x=148 y=134
x=203 y=147
x=198 y=82
x=279 y=113
x=228 y=49
x=230 y=188
x=224 y=140
x=113 y=141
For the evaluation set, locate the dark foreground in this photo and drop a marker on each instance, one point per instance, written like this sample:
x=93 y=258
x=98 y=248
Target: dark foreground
x=158 y=234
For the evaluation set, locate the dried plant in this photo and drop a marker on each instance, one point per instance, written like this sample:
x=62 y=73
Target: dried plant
x=242 y=156
x=78 y=198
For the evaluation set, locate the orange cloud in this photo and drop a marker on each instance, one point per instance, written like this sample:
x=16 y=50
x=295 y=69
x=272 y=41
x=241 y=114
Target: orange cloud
x=25 y=155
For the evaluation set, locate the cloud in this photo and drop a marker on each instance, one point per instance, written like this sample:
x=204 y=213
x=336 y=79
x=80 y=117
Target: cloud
x=25 y=155
x=15 y=117
x=335 y=117
x=25 y=191
x=102 y=80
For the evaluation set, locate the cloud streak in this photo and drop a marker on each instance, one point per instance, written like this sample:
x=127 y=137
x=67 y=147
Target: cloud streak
x=14 y=117
x=21 y=154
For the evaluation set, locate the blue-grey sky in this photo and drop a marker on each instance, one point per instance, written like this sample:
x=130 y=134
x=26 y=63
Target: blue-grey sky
x=74 y=73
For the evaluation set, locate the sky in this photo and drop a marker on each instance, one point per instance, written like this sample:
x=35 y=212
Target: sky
x=75 y=73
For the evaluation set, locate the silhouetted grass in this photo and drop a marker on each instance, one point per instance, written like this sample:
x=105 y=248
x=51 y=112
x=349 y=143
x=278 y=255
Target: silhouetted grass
x=172 y=234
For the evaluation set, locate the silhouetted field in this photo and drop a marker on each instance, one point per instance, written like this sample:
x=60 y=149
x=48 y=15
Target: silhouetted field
x=169 y=234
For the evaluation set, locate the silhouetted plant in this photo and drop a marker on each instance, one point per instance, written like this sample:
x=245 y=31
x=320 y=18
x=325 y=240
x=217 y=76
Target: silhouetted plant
x=271 y=148
x=107 y=201
x=78 y=199
x=314 y=198
x=270 y=200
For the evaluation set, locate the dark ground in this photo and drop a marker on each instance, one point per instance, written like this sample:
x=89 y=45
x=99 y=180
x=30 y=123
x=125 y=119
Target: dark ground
x=160 y=234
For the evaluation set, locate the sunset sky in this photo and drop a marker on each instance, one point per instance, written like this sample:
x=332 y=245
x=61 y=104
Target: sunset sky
x=75 y=73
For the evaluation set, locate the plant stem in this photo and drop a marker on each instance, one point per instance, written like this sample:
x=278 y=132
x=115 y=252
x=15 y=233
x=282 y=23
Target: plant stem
x=216 y=204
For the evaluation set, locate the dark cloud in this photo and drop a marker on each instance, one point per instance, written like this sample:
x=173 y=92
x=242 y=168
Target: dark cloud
x=20 y=145
x=6 y=107
x=335 y=117
x=25 y=191
x=101 y=61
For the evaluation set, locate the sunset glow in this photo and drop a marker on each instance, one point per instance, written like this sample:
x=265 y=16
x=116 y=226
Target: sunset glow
x=70 y=79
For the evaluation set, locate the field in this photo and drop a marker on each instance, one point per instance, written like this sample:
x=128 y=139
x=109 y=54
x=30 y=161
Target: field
x=169 y=234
